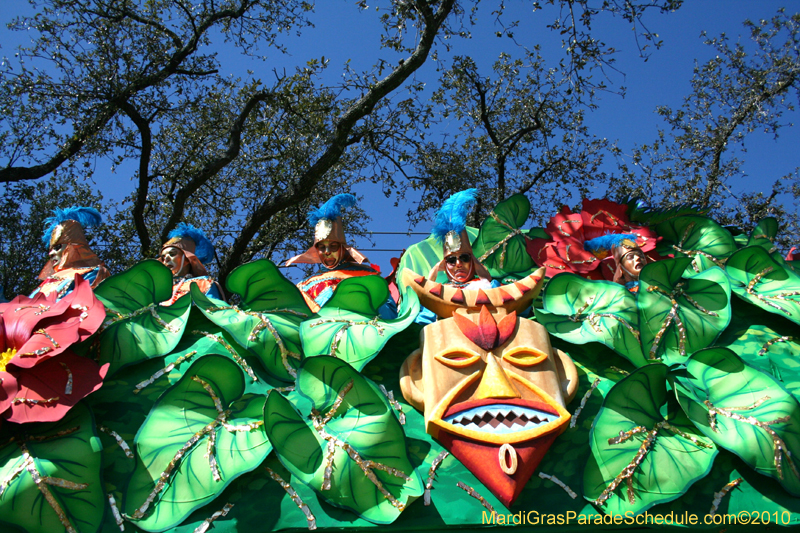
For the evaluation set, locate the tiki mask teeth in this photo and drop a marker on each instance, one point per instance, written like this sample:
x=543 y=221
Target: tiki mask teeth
x=499 y=418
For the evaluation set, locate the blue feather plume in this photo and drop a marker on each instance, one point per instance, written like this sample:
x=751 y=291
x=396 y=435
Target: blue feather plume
x=607 y=242
x=452 y=216
x=332 y=209
x=204 y=250
x=87 y=217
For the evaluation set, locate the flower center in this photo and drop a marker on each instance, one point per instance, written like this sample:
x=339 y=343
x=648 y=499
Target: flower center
x=5 y=357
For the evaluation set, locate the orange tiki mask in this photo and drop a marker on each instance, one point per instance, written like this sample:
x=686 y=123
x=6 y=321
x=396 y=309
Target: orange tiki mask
x=493 y=392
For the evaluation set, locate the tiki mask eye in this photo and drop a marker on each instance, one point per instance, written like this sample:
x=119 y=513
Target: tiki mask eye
x=524 y=356
x=457 y=357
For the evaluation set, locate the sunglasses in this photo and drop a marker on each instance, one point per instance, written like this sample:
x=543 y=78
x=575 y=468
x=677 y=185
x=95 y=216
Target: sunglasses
x=464 y=258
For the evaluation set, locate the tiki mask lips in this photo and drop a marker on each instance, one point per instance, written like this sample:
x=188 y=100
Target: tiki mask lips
x=498 y=417
x=498 y=420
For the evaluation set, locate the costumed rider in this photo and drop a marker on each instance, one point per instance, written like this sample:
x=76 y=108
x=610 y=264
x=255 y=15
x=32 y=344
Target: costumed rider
x=69 y=253
x=628 y=256
x=463 y=270
x=337 y=259
x=184 y=254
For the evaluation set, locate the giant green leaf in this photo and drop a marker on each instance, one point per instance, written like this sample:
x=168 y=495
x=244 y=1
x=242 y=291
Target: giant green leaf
x=679 y=315
x=764 y=234
x=273 y=337
x=179 y=430
x=67 y=450
x=579 y=310
x=145 y=283
x=766 y=348
x=263 y=288
x=500 y=244
x=137 y=327
x=348 y=325
x=695 y=236
x=761 y=280
x=351 y=423
x=636 y=412
x=745 y=411
x=424 y=255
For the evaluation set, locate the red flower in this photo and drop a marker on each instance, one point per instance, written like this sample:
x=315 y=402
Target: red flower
x=487 y=333
x=564 y=251
x=41 y=379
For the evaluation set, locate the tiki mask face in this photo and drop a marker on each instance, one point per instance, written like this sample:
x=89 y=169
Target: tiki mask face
x=493 y=392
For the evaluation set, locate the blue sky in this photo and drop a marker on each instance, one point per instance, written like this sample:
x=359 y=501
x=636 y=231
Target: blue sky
x=343 y=33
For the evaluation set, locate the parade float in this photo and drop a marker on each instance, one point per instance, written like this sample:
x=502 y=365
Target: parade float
x=625 y=363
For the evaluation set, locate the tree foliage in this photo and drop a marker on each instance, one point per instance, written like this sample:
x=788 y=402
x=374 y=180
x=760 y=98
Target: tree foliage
x=746 y=88
x=139 y=87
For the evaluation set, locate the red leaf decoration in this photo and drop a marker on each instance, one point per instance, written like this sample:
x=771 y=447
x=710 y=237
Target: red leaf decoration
x=506 y=327
x=484 y=333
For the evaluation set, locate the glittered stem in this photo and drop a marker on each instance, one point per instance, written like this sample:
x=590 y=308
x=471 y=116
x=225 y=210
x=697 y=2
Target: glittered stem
x=166 y=370
x=68 y=387
x=722 y=493
x=202 y=528
x=472 y=492
x=767 y=345
x=394 y=403
x=236 y=357
x=337 y=403
x=585 y=399
x=211 y=450
x=160 y=321
x=115 y=511
x=560 y=483
x=312 y=521
x=14 y=473
x=120 y=441
x=111 y=321
x=431 y=474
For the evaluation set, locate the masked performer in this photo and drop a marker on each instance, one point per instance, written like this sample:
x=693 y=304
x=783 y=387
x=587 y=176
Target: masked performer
x=338 y=260
x=628 y=256
x=463 y=270
x=184 y=254
x=69 y=252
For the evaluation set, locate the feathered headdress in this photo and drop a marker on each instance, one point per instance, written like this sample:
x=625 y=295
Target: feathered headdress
x=204 y=250
x=87 y=217
x=332 y=209
x=327 y=225
x=452 y=216
x=450 y=227
x=602 y=247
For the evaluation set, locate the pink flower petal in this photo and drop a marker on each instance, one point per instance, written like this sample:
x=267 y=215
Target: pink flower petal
x=48 y=381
